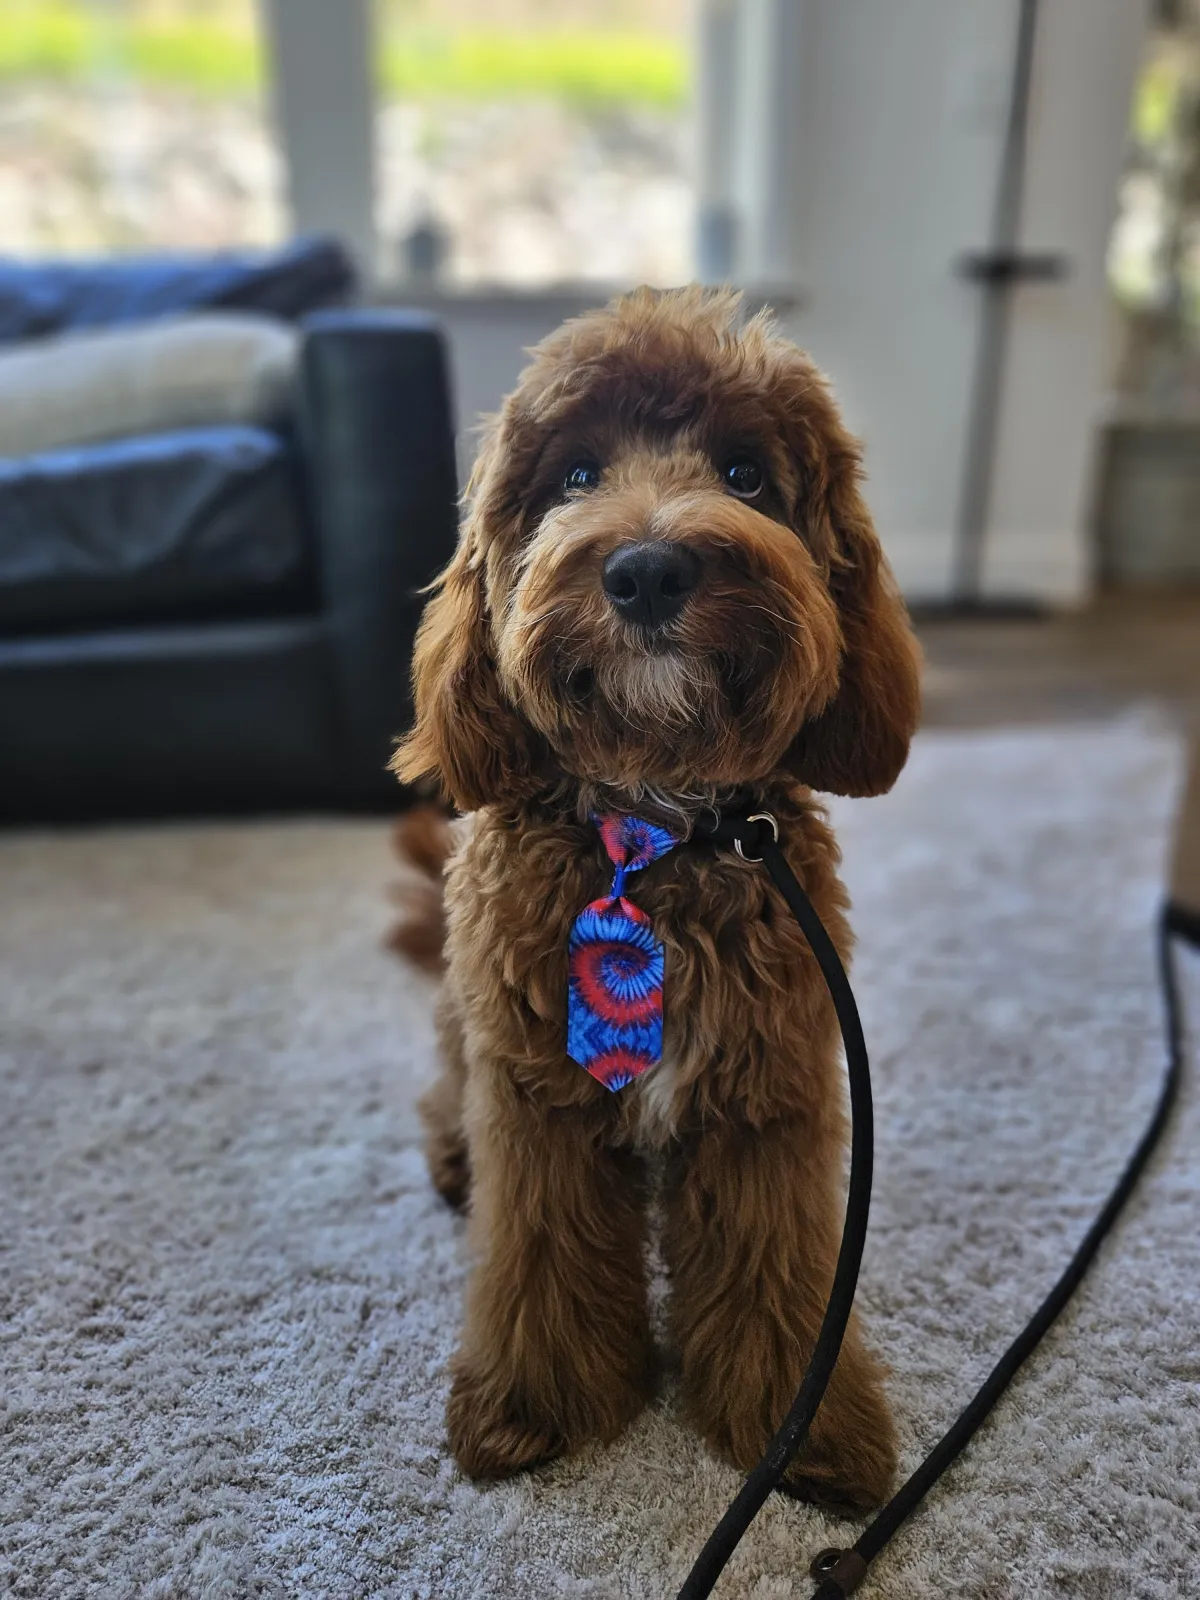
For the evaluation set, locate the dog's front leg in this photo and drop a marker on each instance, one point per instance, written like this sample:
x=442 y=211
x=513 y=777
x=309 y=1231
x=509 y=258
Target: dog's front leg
x=751 y=1240
x=556 y=1345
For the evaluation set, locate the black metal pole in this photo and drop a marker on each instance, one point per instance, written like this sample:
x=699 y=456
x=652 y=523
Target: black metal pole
x=996 y=272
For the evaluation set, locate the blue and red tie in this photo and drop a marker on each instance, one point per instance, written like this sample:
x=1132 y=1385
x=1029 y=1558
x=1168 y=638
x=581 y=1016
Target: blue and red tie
x=615 y=999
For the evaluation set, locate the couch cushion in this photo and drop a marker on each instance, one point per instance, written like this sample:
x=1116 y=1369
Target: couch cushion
x=183 y=372
x=46 y=297
x=202 y=524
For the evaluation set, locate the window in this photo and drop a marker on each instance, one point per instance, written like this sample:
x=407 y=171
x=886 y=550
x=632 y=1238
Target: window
x=529 y=142
x=1154 y=256
x=134 y=124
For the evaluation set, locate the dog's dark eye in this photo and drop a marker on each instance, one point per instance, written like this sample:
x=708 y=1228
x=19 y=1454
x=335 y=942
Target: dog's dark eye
x=582 y=478
x=743 y=477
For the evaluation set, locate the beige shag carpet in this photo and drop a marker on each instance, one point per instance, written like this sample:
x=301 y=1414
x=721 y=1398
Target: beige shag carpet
x=227 y=1295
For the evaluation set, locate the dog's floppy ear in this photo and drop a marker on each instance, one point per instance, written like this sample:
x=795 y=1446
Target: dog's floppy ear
x=859 y=742
x=467 y=735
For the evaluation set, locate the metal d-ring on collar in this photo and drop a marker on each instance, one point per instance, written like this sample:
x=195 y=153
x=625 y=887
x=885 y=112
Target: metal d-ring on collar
x=758 y=816
x=744 y=832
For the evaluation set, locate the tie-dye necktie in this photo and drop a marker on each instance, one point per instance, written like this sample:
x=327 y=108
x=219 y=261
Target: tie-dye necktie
x=615 y=1001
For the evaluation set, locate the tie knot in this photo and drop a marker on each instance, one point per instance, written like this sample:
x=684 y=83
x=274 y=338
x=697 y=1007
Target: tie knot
x=632 y=843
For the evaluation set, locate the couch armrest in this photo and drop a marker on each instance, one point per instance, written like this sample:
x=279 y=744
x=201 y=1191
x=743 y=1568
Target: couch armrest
x=378 y=445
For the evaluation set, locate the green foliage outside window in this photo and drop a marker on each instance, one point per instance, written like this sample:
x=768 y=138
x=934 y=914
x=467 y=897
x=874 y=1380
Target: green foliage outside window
x=64 y=40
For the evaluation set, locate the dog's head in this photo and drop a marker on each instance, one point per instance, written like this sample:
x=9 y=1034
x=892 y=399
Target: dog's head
x=667 y=578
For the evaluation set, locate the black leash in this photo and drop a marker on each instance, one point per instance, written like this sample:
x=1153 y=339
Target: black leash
x=756 y=838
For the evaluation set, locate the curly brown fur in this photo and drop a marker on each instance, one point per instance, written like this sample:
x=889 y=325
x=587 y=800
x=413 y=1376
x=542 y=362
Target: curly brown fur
x=791 y=667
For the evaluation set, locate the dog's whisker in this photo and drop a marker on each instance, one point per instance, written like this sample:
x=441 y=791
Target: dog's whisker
x=793 y=628
x=527 y=624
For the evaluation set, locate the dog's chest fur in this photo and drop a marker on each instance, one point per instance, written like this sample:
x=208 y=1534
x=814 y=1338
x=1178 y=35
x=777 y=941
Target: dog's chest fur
x=654 y=1099
x=741 y=994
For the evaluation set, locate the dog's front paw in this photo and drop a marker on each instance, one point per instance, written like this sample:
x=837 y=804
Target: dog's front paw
x=846 y=1487
x=494 y=1431
x=848 y=1462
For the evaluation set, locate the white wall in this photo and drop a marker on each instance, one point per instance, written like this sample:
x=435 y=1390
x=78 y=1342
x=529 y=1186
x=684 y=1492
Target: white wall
x=1042 y=523
x=894 y=180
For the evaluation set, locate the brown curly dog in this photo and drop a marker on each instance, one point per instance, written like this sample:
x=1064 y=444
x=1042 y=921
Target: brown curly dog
x=748 y=644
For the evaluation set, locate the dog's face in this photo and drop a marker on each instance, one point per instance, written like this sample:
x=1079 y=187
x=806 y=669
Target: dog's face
x=667 y=578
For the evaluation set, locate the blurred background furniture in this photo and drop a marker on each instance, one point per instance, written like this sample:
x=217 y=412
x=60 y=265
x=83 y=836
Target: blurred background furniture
x=215 y=612
x=1148 y=494
x=62 y=295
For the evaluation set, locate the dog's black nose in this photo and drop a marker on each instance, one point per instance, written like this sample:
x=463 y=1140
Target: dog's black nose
x=649 y=583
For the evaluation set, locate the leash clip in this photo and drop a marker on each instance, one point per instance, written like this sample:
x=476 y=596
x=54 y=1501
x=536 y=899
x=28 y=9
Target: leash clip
x=759 y=816
x=843 y=1569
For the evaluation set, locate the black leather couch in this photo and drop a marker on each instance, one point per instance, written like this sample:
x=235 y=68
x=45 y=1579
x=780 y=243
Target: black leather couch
x=221 y=620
